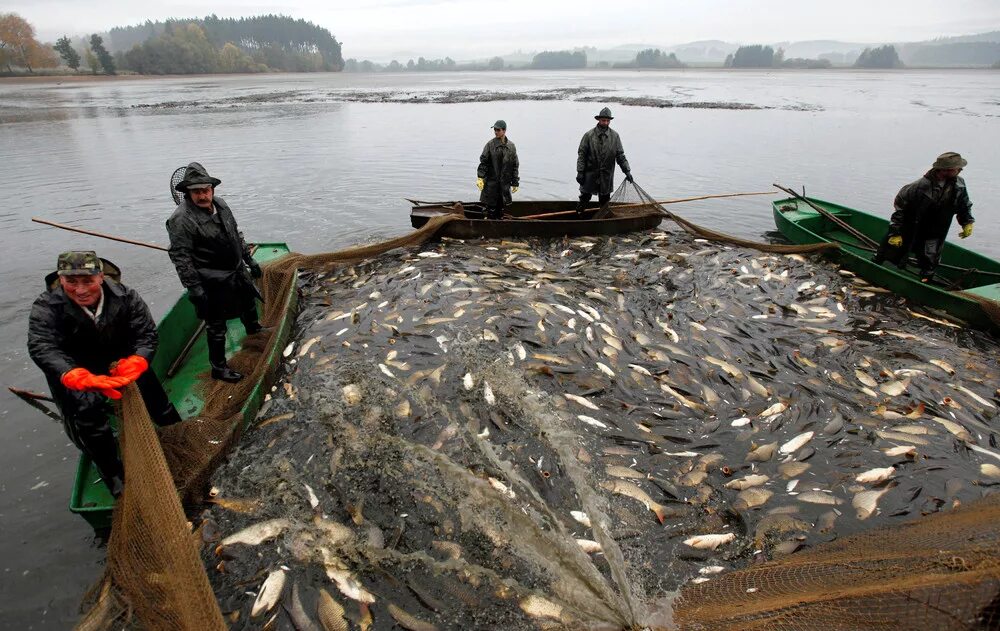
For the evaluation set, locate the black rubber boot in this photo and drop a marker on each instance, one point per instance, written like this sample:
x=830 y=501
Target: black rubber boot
x=216 y=339
x=104 y=453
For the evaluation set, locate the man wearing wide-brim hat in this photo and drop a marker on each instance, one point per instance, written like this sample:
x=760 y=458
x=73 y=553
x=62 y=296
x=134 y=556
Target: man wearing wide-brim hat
x=90 y=335
x=600 y=148
x=498 y=173
x=923 y=213
x=214 y=264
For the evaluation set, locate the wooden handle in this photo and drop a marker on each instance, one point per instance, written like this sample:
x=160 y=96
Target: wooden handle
x=98 y=234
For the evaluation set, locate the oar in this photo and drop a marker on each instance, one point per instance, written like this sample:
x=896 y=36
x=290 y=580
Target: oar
x=651 y=203
x=98 y=234
x=837 y=220
x=33 y=399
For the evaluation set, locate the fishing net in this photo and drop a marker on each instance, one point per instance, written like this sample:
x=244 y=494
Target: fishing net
x=938 y=572
x=631 y=200
x=154 y=575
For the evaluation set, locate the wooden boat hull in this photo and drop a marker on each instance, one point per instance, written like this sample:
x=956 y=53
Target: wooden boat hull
x=801 y=224
x=90 y=498
x=569 y=225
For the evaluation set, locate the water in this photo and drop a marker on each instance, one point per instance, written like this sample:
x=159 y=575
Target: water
x=303 y=165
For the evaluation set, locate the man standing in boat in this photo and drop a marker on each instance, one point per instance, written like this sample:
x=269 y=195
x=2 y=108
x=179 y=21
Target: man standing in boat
x=90 y=335
x=497 y=176
x=600 y=149
x=923 y=213
x=214 y=264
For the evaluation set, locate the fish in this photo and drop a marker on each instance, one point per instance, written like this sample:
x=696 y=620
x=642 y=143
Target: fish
x=351 y=394
x=345 y=581
x=819 y=497
x=943 y=365
x=978 y=399
x=865 y=379
x=270 y=593
x=581 y=517
x=794 y=444
x=488 y=393
x=309 y=344
x=903 y=450
x=630 y=490
x=538 y=607
x=793 y=469
x=747 y=482
x=589 y=420
x=409 y=621
x=740 y=422
x=957 y=430
x=293 y=606
x=709 y=542
x=763 y=453
x=989 y=470
x=258 y=533
x=752 y=498
x=774 y=410
x=866 y=502
x=895 y=388
x=467 y=381
x=606 y=370
x=711 y=569
x=582 y=401
x=619 y=471
x=589 y=546
x=874 y=476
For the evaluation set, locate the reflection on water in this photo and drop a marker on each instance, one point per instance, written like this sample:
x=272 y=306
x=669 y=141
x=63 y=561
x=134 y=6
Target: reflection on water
x=321 y=174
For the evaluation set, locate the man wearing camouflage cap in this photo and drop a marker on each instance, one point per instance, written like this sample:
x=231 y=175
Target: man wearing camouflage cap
x=90 y=335
x=497 y=176
x=214 y=264
x=923 y=213
x=600 y=148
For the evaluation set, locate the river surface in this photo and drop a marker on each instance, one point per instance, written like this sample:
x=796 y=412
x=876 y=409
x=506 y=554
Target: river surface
x=325 y=161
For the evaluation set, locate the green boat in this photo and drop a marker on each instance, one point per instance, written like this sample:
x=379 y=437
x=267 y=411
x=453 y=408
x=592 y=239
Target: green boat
x=961 y=283
x=182 y=343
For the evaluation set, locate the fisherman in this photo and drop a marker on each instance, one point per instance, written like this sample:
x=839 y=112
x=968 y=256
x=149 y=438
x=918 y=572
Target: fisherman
x=214 y=264
x=498 y=172
x=923 y=214
x=599 y=149
x=90 y=335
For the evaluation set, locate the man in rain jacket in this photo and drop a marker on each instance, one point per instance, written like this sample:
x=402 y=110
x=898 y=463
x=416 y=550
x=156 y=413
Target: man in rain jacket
x=214 y=264
x=498 y=172
x=923 y=213
x=90 y=335
x=600 y=148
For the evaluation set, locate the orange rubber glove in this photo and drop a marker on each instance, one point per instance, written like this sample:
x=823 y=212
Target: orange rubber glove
x=130 y=367
x=83 y=380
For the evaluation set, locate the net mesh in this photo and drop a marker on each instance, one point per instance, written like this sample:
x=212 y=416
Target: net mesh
x=940 y=572
x=630 y=200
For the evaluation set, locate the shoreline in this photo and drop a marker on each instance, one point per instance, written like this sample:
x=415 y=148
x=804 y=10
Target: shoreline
x=91 y=78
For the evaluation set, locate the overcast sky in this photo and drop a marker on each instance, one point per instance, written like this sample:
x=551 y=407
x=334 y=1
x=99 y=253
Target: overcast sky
x=464 y=29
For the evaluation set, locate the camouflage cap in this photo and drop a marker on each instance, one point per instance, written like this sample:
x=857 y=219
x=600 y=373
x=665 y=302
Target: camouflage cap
x=78 y=264
x=950 y=160
x=500 y=124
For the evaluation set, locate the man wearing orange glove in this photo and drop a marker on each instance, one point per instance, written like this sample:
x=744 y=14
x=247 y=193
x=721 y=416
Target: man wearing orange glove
x=91 y=335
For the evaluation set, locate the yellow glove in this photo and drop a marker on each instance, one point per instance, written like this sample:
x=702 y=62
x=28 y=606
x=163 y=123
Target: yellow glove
x=513 y=189
x=895 y=241
x=966 y=231
x=480 y=183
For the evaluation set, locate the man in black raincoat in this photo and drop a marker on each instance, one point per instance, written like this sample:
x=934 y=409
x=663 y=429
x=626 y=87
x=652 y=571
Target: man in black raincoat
x=214 y=264
x=90 y=334
x=600 y=148
x=498 y=172
x=923 y=213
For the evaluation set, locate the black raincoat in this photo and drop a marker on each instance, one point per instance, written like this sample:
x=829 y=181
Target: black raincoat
x=600 y=148
x=209 y=252
x=922 y=216
x=498 y=167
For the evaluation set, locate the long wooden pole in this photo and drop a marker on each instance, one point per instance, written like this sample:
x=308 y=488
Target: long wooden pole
x=665 y=201
x=98 y=234
x=837 y=220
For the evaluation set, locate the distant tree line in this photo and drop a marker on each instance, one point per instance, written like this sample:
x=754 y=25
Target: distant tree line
x=559 y=60
x=880 y=57
x=957 y=54
x=255 y=44
x=653 y=58
x=420 y=65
